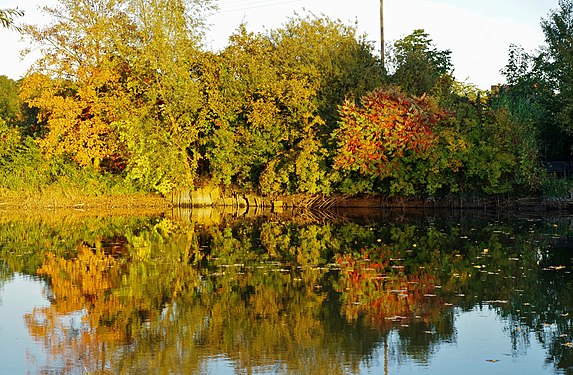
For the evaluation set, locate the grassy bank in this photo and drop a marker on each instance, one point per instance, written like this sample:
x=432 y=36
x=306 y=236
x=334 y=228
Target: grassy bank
x=29 y=180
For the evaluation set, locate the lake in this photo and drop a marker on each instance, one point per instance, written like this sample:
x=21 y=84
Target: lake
x=207 y=292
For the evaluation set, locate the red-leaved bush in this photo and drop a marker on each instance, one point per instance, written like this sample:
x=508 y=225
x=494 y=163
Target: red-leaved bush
x=387 y=126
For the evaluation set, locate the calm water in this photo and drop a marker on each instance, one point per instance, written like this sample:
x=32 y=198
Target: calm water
x=313 y=294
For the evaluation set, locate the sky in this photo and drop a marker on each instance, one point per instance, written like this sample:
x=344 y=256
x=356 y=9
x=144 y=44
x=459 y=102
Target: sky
x=478 y=32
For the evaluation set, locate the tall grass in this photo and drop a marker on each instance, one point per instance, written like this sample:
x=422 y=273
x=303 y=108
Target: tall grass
x=26 y=175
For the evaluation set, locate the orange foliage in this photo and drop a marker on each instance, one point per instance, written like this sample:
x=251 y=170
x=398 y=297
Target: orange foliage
x=385 y=128
x=78 y=118
x=381 y=290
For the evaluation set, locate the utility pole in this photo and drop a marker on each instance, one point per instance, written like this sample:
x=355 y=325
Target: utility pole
x=382 y=31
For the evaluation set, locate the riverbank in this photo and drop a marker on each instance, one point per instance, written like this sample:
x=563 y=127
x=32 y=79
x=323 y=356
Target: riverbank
x=214 y=197
x=209 y=196
x=137 y=204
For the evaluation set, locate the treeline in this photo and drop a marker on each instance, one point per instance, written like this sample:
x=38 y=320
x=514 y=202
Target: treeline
x=125 y=94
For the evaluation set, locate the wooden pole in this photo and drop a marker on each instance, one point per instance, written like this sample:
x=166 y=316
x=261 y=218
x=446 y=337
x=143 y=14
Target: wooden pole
x=382 y=31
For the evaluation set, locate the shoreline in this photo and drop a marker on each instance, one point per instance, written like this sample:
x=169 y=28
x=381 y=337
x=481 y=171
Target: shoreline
x=209 y=196
x=213 y=197
x=103 y=205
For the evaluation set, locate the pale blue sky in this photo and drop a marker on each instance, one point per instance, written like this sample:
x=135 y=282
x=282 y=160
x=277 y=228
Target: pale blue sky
x=477 y=32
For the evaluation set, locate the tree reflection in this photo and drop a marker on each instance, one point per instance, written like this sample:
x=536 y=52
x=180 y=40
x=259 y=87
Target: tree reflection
x=286 y=297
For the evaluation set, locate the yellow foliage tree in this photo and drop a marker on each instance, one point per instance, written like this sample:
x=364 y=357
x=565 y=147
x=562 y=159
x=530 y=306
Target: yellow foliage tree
x=74 y=85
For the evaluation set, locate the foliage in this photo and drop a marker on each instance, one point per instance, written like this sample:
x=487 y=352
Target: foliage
x=9 y=140
x=387 y=125
x=337 y=61
x=556 y=188
x=77 y=126
x=538 y=92
x=126 y=88
x=402 y=145
x=491 y=161
x=161 y=131
x=97 y=63
x=74 y=87
x=558 y=58
x=272 y=100
x=418 y=63
x=9 y=101
x=26 y=174
x=7 y=17
x=519 y=65
x=530 y=98
x=266 y=116
x=387 y=136
x=502 y=153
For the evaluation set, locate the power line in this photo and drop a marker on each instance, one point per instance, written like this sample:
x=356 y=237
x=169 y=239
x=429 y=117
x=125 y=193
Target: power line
x=254 y=4
x=236 y=3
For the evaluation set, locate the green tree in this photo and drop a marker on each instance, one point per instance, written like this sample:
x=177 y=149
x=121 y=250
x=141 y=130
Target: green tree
x=9 y=101
x=558 y=59
x=519 y=65
x=161 y=131
x=261 y=112
x=338 y=61
x=530 y=98
x=418 y=63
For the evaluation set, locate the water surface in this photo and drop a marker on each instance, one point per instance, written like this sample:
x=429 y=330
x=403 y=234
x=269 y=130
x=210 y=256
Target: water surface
x=274 y=294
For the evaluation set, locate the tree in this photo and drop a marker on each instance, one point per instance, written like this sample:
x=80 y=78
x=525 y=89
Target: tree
x=530 y=98
x=557 y=58
x=74 y=85
x=9 y=101
x=419 y=64
x=519 y=65
x=335 y=59
x=116 y=86
x=261 y=110
x=538 y=89
x=272 y=99
x=7 y=17
x=386 y=133
x=162 y=129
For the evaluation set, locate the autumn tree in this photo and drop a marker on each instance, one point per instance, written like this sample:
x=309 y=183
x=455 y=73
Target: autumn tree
x=115 y=86
x=73 y=86
x=162 y=129
x=272 y=99
x=385 y=136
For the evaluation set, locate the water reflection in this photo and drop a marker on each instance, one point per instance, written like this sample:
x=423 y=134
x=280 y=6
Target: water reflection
x=276 y=294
